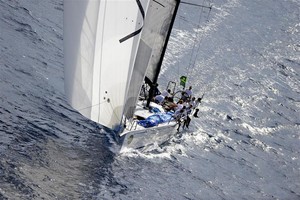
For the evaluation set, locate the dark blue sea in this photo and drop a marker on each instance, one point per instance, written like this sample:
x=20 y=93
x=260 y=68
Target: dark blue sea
x=242 y=55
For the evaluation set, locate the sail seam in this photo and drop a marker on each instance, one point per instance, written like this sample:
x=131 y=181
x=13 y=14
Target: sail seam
x=92 y=106
x=101 y=57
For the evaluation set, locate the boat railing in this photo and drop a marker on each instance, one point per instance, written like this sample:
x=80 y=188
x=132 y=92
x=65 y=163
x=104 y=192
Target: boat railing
x=133 y=125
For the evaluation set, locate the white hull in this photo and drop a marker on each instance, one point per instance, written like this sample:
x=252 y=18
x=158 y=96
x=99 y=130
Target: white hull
x=137 y=137
x=140 y=139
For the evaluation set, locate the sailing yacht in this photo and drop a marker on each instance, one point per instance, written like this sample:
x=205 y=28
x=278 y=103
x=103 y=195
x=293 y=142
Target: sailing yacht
x=110 y=48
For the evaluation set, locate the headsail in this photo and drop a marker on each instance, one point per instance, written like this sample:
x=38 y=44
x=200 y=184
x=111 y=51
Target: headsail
x=157 y=28
x=101 y=39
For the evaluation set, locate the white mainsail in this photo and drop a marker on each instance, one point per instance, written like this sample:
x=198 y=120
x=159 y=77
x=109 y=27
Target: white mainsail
x=101 y=39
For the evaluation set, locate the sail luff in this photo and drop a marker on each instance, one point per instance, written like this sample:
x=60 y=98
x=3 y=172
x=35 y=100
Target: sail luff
x=137 y=69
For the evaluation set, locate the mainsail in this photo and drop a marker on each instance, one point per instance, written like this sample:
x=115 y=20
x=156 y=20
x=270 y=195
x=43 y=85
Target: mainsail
x=101 y=39
x=156 y=31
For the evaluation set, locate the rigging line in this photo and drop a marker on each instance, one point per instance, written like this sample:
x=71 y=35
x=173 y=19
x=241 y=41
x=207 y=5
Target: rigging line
x=178 y=63
x=195 y=41
x=198 y=50
x=188 y=22
x=194 y=4
x=208 y=14
x=92 y=106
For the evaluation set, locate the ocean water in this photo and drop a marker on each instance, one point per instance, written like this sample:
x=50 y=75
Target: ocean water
x=243 y=56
